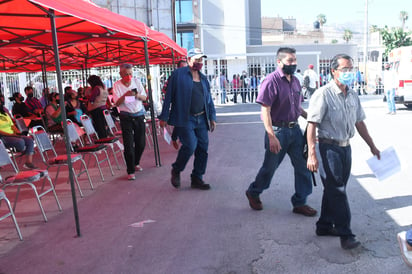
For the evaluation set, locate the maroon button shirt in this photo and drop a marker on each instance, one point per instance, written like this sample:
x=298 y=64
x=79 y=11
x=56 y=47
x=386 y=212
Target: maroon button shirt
x=282 y=96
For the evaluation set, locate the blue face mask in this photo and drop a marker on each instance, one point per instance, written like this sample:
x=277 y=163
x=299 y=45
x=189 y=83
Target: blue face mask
x=346 y=78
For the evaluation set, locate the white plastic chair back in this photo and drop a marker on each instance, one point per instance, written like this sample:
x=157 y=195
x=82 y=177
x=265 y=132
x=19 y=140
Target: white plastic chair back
x=110 y=122
x=43 y=142
x=72 y=133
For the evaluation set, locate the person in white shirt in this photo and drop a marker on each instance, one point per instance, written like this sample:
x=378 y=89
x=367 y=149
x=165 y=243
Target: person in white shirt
x=128 y=95
x=313 y=80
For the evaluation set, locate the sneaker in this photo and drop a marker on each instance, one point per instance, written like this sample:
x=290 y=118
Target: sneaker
x=139 y=168
x=131 y=177
x=406 y=254
x=30 y=166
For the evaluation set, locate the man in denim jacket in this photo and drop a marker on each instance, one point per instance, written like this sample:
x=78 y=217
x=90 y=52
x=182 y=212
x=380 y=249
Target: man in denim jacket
x=188 y=106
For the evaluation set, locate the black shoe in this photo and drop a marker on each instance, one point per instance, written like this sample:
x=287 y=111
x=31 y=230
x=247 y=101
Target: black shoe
x=349 y=242
x=199 y=184
x=254 y=203
x=327 y=232
x=175 y=180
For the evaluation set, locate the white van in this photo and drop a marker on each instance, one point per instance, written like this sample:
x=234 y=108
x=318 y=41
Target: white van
x=401 y=62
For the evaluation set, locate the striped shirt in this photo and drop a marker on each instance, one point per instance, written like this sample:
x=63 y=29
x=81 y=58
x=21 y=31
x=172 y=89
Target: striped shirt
x=335 y=113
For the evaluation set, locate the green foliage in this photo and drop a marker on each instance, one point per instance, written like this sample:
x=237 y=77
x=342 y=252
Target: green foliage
x=347 y=35
x=321 y=18
x=395 y=38
x=334 y=41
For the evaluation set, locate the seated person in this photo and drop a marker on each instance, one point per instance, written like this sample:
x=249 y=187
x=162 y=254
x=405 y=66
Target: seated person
x=32 y=102
x=53 y=113
x=74 y=108
x=12 y=138
x=21 y=109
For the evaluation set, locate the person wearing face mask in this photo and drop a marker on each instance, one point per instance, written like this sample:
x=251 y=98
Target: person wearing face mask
x=128 y=95
x=188 y=106
x=32 y=102
x=335 y=110
x=280 y=98
x=21 y=109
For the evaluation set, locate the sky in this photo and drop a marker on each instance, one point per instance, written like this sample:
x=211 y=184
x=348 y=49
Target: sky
x=380 y=12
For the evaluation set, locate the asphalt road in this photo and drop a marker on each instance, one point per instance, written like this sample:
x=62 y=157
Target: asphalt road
x=147 y=226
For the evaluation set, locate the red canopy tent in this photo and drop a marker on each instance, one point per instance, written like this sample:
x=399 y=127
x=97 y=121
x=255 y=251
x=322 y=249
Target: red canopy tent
x=74 y=33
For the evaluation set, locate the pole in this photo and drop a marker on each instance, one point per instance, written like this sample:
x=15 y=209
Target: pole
x=63 y=113
x=149 y=88
x=365 y=42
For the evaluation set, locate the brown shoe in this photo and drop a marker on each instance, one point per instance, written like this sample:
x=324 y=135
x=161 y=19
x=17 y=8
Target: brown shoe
x=254 y=202
x=305 y=210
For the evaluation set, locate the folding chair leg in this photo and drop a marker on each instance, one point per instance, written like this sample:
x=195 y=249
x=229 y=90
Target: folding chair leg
x=39 y=202
x=88 y=175
x=114 y=155
x=108 y=161
x=77 y=183
x=14 y=218
x=54 y=192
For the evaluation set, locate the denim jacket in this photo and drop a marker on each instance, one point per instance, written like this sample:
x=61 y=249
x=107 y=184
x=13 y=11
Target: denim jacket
x=179 y=96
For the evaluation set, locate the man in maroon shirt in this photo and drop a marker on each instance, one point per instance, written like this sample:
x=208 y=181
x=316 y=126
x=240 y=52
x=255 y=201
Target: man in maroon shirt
x=281 y=97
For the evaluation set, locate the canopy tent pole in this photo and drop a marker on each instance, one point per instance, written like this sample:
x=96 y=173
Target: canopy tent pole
x=64 y=117
x=152 y=115
x=173 y=58
x=44 y=77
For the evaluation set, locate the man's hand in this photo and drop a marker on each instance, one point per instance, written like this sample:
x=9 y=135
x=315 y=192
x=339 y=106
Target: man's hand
x=212 y=126
x=376 y=152
x=274 y=144
x=162 y=123
x=313 y=163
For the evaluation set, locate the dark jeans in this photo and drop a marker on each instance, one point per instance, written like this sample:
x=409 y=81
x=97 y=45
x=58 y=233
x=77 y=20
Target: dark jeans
x=133 y=131
x=99 y=122
x=291 y=141
x=194 y=139
x=336 y=166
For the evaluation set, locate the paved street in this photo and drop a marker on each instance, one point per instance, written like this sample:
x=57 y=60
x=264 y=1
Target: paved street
x=147 y=226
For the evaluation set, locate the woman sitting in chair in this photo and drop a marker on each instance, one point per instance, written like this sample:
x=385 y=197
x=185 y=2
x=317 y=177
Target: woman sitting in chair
x=54 y=114
x=11 y=136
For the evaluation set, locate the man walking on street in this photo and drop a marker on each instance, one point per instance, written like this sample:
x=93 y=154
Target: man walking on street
x=311 y=82
x=128 y=95
x=335 y=110
x=193 y=113
x=280 y=96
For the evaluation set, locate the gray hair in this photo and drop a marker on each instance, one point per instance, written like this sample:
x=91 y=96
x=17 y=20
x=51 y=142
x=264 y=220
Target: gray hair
x=125 y=66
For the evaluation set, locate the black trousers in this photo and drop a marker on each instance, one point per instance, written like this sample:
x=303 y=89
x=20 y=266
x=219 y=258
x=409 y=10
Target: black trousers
x=133 y=131
x=99 y=122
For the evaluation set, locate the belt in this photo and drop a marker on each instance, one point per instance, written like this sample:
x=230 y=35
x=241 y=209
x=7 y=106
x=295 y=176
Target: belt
x=199 y=113
x=285 y=124
x=334 y=142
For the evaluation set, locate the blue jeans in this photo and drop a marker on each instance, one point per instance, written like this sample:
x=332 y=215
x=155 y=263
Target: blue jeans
x=223 y=96
x=194 y=139
x=390 y=98
x=22 y=143
x=335 y=172
x=291 y=140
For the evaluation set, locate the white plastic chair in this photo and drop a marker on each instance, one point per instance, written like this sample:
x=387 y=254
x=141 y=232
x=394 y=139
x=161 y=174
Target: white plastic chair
x=10 y=213
x=77 y=146
x=111 y=142
x=29 y=177
x=52 y=159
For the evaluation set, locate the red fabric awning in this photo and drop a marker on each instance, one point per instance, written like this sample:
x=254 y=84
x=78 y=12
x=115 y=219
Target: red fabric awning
x=87 y=35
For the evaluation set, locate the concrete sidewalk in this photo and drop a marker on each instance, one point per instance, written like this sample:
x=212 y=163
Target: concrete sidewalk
x=147 y=226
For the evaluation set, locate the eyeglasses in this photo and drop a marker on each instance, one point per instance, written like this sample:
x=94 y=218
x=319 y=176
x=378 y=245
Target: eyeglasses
x=345 y=69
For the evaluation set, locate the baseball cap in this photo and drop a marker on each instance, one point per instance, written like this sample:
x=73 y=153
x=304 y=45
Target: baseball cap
x=310 y=66
x=196 y=53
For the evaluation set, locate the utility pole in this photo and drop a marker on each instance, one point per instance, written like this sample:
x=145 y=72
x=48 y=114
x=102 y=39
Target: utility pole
x=365 y=40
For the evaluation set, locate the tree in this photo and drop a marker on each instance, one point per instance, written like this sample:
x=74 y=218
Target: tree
x=395 y=38
x=347 y=35
x=403 y=16
x=321 y=18
x=334 y=41
x=373 y=28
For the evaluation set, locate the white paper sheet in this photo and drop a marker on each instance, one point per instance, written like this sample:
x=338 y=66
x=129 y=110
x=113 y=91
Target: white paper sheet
x=167 y=136
x=388 y=165
x=129 y=99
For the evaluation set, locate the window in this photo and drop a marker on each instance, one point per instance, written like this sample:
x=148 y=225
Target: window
x=184 y=11
x=185 y=40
